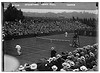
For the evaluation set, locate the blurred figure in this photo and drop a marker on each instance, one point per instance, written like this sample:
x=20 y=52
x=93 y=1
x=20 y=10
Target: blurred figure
x=66 y=34
x=75 y=42
x=11 y=63
x=53 y=52
x=18 y=47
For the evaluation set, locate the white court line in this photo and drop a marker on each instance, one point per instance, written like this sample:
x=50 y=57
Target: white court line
x=53 y=39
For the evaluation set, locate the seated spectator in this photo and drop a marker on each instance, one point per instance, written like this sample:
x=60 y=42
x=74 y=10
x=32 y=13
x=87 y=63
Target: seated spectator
x=64 y=55
x=21 y=68
x=27 y=67
x=76 y=70
x=54 y=68
x=83 y=68
x=33 y=67
x=62 y=70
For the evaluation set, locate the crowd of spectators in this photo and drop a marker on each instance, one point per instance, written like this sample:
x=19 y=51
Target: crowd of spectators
x=81 y=59
x=26 y=27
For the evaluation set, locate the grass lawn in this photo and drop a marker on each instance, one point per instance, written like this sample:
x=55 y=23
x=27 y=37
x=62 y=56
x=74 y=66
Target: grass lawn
x=34 y=48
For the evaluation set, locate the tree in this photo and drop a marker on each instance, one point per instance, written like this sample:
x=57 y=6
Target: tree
x=13 y=14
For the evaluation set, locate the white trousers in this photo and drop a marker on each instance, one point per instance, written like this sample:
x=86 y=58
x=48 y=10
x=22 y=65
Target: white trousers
x=19 y=52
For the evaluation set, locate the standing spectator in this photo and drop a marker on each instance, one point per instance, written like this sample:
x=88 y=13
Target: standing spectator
x=53 y=52
x=75 y=42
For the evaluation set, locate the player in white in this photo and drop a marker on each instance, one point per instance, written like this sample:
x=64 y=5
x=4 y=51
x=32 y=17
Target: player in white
x=18 y=47
x=66 y=34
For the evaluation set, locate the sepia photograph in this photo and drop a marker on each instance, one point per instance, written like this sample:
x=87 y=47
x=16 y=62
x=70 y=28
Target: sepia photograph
x=49 y=36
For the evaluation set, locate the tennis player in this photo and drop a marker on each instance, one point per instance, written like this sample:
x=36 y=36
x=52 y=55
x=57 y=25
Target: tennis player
x=66 y=34
x=18 y=47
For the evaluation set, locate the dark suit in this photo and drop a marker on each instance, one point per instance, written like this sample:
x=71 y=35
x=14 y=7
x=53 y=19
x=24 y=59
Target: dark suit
x=53 y=53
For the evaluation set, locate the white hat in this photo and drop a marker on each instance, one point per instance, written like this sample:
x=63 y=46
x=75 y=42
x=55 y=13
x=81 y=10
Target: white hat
x=21 y=67
x=54 y=58
x=72 y=63
x=78 y=59
x=83 y=68
x=64 y=64
x=91 y=54
x=52 y=48
x=18 y=46
x=62 y=70
x=54 y=67
x=77 y=54
x=33 y=66
x=69 y=61
x=26 y=65
x=76 y=70
x=82 y=57
x=50 y=59
x=68 y=57
x=79 y=48
x=67 y=65
x=92 y=47
x=58 y=55
x=88 y=47
x=70 y=53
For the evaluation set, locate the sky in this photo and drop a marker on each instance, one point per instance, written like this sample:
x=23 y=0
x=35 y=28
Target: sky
x=56 y=7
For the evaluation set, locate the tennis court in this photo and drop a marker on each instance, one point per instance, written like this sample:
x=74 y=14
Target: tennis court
x=36 y=48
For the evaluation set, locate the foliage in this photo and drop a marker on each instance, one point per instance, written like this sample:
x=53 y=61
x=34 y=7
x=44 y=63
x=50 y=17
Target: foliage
x=12 y=13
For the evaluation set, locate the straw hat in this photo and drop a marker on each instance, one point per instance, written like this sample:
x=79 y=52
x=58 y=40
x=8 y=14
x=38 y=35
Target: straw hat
x=76 y=70
x=33 y=66
x=54 y=67
x=83 y=68
x=21 y=67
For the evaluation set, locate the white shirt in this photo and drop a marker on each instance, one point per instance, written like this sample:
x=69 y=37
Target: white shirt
x=66 y=34
x=18 y=47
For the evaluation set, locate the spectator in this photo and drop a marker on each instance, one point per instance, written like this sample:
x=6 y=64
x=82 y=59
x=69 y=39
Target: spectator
x=83 y=68
x=21 y=68
x=53 y=52
x=78 y=60
x=76 y=70
x=54 y=68
x=33 y=67
x=27 y=67
x=64 y=55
